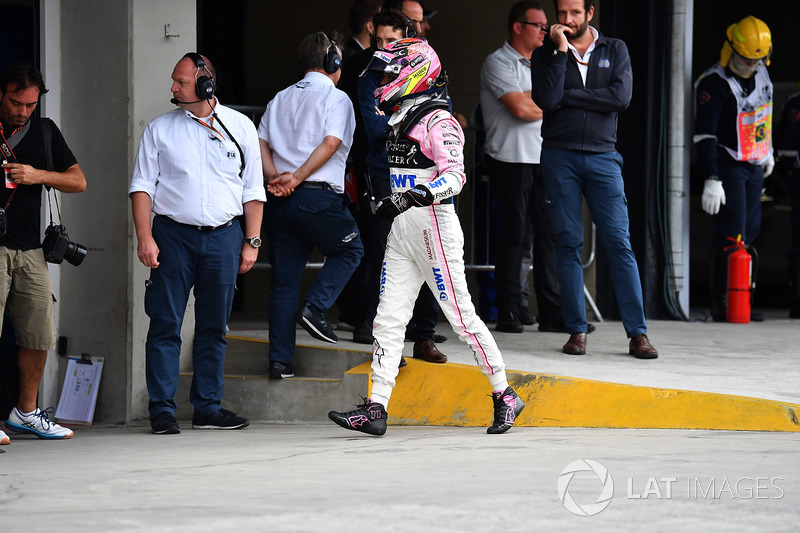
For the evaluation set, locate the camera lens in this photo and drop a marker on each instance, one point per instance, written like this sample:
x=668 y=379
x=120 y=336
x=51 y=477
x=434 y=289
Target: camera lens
x=76 y=253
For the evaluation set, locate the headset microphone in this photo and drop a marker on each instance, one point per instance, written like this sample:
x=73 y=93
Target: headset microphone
x=175 y=101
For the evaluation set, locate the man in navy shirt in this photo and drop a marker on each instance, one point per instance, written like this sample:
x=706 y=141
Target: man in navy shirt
x=581 y=80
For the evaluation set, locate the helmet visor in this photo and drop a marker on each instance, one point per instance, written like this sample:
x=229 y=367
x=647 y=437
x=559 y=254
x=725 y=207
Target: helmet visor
x=382 y=62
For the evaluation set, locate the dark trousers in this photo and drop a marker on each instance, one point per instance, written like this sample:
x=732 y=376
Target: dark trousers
x=374 y=232
x=207 y=261
x=521 y=196
x=794 y=191
x=741 y=215
x=296 y=224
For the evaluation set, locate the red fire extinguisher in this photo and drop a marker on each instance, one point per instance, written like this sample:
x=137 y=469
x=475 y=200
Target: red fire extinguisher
x=740 y=282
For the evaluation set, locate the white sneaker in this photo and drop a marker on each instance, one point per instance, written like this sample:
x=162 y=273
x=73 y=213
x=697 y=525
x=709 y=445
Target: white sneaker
x=4 y=438
x=37 y=424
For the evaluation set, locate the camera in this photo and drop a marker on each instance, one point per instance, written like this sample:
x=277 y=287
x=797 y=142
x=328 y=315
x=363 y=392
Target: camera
x=57 y=246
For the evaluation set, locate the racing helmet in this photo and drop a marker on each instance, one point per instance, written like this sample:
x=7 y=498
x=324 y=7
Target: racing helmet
x=750 y=38
x=411 y=67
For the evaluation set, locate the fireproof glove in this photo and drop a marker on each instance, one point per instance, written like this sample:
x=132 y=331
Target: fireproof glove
x=769 y=166
x=398 y=202
x=713 y=196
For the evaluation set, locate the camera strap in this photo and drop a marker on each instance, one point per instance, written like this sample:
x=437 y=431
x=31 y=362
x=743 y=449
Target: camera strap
x=47 y=134
x=7 y=146
x=50 y=206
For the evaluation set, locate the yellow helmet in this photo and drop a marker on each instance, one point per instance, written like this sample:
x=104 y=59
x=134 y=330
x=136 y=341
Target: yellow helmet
x=750 y=38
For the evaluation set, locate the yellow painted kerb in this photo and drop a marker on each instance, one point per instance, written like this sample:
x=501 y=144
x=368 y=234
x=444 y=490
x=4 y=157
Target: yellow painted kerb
x=457 y=395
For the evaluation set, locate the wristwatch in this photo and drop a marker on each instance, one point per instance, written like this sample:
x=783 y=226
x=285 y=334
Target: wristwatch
x=255 y=242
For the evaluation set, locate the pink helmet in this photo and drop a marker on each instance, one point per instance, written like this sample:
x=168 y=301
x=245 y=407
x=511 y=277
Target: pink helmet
x=413 y=68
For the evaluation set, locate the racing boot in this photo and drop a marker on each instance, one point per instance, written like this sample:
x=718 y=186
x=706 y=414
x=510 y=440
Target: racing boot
x=368 y=417
x=507 y=406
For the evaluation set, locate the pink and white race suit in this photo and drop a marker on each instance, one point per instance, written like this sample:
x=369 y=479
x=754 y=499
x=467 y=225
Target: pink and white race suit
x=426 y=244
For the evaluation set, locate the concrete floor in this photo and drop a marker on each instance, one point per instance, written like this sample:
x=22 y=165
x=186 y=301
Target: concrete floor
x=287 y=477
x=319 y=477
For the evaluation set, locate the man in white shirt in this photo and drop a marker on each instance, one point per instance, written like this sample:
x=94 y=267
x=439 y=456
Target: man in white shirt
x=198 y=168
x=305 y=136
x=513 y=146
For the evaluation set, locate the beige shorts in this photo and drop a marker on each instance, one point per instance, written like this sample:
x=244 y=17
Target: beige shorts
x=26 y=296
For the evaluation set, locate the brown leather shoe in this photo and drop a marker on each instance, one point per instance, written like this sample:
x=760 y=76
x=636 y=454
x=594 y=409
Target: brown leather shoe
x=641 y=348
x=576 y=345
x=427 y=351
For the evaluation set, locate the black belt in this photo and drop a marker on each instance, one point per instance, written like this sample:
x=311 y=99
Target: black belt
x=316 y=185
x=199 y=228
x=446 y=201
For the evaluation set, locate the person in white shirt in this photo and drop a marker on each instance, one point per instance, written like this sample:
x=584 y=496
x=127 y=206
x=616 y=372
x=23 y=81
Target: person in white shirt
x=305 y=134
x=198 y=168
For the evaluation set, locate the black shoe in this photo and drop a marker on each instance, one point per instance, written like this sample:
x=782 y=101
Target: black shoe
x=509 y=323
x=756 y=316
x=560 y=328
x=313 y=321
x=362 y=334
x=507 y=406
x=279 y=370
x=164 y=424
x=526 y=317
x=367 y=418
x=222 y=419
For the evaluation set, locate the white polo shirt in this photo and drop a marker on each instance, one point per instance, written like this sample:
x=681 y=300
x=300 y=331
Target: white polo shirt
x=300 y=117
x=508 y=138
x=191 y=172
x=583 y=61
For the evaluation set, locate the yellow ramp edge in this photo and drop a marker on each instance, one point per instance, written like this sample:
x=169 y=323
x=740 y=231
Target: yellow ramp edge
x=457 y=395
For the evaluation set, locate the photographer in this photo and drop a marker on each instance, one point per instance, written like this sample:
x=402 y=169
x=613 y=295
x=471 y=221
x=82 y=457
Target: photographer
x=25 y=291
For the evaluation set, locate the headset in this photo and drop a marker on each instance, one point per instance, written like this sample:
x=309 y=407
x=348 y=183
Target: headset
x=332 y=60
x=409 y=29
x=204 y=89
x=204 y=85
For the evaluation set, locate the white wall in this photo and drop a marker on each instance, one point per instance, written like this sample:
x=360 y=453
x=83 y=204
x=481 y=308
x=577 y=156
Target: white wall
x=114 y=67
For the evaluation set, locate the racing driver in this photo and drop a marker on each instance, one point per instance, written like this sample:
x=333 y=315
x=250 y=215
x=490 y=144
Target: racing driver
x=426 y=243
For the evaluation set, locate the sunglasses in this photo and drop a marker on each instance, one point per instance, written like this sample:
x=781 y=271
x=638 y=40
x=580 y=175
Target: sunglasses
x=536 y=25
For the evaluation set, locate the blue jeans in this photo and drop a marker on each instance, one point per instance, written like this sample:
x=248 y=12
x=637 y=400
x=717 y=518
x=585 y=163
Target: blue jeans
x=296 y=224
x=209 y=262
x=569 y=176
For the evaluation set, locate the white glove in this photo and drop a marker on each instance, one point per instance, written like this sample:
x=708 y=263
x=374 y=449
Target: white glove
x=769 y=166
x=713 y=196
